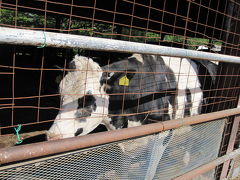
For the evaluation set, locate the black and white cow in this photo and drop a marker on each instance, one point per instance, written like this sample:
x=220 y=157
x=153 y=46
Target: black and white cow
x=160 y=88
x=84 y=104
x=137 y=90
x=157 y=89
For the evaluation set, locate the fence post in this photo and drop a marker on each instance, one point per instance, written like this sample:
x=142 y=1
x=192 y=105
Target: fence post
x=230 y=146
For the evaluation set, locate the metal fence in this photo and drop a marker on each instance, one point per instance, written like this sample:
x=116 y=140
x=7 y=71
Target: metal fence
x=138 y=158
x=106 y=32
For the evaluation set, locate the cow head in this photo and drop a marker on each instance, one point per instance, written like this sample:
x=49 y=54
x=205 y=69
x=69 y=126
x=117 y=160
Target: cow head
x=84 y=104
x=127 y=68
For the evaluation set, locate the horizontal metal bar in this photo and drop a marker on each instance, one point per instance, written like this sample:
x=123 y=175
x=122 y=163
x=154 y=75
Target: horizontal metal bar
x=58 y=146
x=38 y=38
x=209 y=166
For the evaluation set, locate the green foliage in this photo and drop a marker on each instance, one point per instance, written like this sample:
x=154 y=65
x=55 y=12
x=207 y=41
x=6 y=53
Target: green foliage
x=153 y=37
x=25 y=19
x=169 y=38
x=7 y=17
x=96 y=29
x=193 y=43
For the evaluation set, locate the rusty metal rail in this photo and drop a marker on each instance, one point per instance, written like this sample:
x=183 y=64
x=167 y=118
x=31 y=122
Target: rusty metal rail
x=24 y=152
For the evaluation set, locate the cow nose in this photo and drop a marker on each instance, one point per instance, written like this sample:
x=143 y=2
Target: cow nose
x=51 y=136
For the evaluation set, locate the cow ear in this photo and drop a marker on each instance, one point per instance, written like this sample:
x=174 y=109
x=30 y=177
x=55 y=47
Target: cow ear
x=130 y=73
x=136 y=58
x=109 y=79
x=115 y=77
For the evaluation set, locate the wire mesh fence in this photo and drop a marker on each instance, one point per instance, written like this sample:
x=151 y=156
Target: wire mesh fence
x=186 y=24
x=132 y=159
x=32 y=98
x=35 y=91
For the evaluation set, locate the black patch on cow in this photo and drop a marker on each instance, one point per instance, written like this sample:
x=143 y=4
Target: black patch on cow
x=207 y=72
x=188 y=105
x=164 y=116
x=86 y=101
x=173 y=102
x=130 y=103
x=79 y=131
x=152 y=88
x=86 y=105
x=119 y=122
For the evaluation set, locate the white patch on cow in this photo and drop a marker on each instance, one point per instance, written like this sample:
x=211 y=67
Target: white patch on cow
x=86 y=78
x=170 y=110
x=213 y=49
x=64 y=125
x=110 y=75
x=138 y=57
x=186 y=74
x=107 y=122
x=104 y=87
x=134 y=123
x=202 y=47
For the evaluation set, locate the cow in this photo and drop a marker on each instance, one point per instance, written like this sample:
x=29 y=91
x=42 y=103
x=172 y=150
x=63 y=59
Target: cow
x=84 y=105
x=159 y=88
x=158 y=93
x=136 y=90
x=133 y=91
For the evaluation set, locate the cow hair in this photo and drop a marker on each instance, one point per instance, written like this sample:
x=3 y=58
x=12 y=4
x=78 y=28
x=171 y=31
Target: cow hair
x=74 y=84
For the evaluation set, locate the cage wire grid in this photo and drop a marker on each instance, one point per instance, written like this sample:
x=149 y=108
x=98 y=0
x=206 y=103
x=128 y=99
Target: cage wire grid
x=40 y=104
x=31 y=78
x=135 y=162
x=43 y=11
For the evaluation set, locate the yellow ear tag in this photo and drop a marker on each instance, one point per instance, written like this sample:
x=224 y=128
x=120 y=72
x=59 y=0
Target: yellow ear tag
x=124 y=81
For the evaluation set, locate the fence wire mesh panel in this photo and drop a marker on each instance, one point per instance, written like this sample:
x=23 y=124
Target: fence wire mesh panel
x=139 y=158
x=32 y=75
x=51 y=93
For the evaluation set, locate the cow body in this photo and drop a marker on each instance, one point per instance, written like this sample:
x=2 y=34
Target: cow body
x=160 y=88
x=157 y=90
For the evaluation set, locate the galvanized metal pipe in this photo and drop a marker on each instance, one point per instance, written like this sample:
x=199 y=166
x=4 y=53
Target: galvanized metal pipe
x=209 y=166
x=58 y=146
x=50 y=39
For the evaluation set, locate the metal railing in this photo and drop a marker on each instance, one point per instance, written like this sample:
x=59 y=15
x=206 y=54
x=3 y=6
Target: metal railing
x=24 y=152
x=50 y=39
